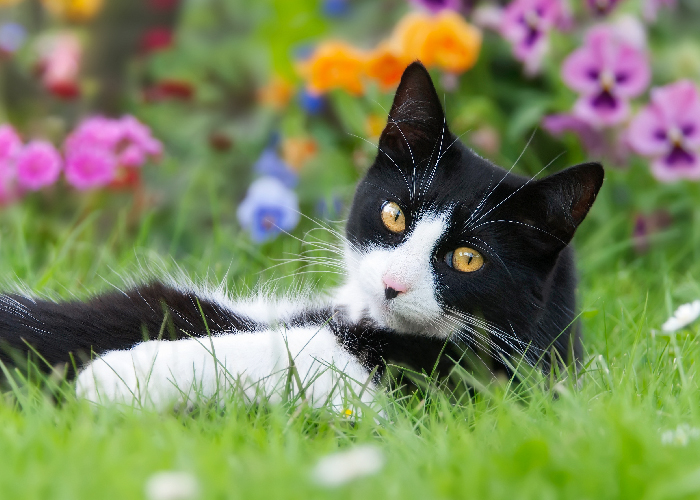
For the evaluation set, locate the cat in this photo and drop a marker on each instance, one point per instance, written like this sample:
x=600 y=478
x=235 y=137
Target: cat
x=444 y=253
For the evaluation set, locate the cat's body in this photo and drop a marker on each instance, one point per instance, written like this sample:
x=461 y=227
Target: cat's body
x=444 y=250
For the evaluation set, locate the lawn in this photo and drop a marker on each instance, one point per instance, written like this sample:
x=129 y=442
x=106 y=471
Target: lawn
x=629 y=430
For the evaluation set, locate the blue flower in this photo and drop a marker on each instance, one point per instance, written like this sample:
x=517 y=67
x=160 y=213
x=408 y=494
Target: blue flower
x=271 y=164
x=335 y=8
x=312 y=103
x=269 y=208
x=12 y=36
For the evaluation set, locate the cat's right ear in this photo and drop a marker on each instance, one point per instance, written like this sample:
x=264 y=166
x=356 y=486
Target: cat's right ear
x=416 y=120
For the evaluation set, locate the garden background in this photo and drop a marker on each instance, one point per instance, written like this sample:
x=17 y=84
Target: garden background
x=168 y=136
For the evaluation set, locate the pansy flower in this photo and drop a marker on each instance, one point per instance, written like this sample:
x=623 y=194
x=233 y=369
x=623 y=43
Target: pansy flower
x=526 y=25
x=607 y=71
x=668 y=131
x=268 y=209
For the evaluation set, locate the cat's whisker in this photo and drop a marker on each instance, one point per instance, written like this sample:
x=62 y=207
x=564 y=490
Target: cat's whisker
x=519 y=188
x=405 y=179
x=522 y=224
x=410 y=151
x=492 y=252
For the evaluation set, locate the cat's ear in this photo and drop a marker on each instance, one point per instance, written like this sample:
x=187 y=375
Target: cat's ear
x=557 y=204
x=416 y=118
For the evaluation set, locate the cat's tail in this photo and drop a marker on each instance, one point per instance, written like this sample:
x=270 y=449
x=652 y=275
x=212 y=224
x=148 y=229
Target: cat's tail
x=71 y=333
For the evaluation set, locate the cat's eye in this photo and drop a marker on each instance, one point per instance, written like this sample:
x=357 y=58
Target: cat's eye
x=464 y=259
x=393 y=217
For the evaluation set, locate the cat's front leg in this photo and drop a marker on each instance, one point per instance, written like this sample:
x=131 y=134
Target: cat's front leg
x=305 y=362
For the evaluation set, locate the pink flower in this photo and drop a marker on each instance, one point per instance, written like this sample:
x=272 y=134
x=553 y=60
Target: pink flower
x=90 y=167
x=38 y=165
x=10 y=143
x=59 y=63
x=10 y=146
x=607 y=71
x=592 y=139
x=526 y=25
x=139 y=135
x=668 y=131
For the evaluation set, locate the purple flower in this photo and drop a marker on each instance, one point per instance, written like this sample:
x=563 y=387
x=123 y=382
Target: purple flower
x=438 y=5
x=668 y=131
x=310 y=102
x=38 y=165
x=607 y=71
x=270 y=164
x=602 y=7
x=335 y=8
x=651 y=8
x=591 y=138
x=268 y=209
x=12 y=36
x=90 y=167
x=526 y=25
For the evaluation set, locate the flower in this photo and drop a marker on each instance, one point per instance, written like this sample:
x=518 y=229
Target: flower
x=10 y=146
x=272 y=165
x=602 y=7
x=90 y=167
x=438 y=5
x=38 y=165
x=668 y=130
x=386 y=64
x=444 y=40
x=60 y=57
x=651 y=8
x=311 y=103
x=684 y=315
x=276 y=93
x=296 y=151
x=12 y=36
x=172 y=485
x=10 y=143
x=334 y=65
x=374 y=125
x=156 y=39
x=607 y=71
x=73 y=10
x=591 y=138
x=268 y=209
x=680 y=436
x=335 y=8
x=344 y=466
x=526 y=25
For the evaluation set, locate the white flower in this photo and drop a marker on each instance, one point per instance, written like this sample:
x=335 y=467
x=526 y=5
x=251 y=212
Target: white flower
x=339 y=468
x=684 y=315
x=172 y=485
x=680 y=436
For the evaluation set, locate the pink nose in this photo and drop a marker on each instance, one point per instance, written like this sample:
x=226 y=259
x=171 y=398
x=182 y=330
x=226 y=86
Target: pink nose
x=393 y=286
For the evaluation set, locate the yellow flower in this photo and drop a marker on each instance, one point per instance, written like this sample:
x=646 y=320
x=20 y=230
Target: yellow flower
x=386 y=64
x=276 y=93
x=334 y=65
x=374 y=124
x=73 y=10
x=296 y=151
x=444 y=40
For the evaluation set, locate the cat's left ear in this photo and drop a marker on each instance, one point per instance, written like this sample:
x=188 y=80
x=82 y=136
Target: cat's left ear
x=557 y=204
x=416 y=119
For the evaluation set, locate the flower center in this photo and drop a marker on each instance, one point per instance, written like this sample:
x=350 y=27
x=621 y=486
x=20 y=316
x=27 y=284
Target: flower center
x=532 y=19
x=675 y=135
x=607 y=80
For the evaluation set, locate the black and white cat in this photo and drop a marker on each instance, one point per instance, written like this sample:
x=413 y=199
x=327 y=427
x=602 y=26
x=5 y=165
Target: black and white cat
x=444 y=251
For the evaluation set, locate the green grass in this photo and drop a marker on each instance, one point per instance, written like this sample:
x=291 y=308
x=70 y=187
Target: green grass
x=599 y=440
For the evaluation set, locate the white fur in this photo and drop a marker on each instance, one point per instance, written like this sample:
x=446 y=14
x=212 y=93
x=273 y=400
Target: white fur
x=158 y=374
x=415 y=311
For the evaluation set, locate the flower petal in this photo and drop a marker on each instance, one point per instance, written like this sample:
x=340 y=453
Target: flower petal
x=647 y=132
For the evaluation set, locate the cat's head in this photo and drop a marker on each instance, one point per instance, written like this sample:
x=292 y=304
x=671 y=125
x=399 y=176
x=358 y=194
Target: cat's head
x=435 y=231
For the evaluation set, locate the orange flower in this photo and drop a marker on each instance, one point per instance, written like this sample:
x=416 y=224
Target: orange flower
x=73 y=10
x=334 y=65
x=297 y=151
x=386 y=64
x=374 y=124
x=276 y=93
x=445 y=40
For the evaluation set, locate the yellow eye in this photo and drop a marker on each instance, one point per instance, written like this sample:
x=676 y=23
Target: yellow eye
x=465 y=259
x=393 y=217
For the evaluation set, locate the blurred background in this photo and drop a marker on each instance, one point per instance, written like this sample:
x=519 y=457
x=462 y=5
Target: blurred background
x=201 y=129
